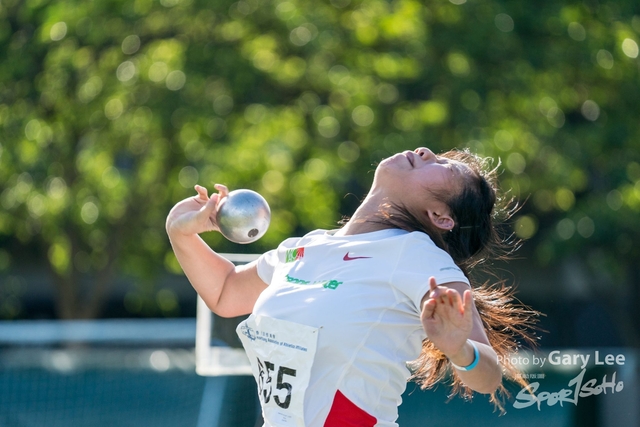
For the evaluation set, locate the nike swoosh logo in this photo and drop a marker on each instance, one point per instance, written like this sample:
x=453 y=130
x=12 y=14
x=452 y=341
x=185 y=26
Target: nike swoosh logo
x=351 y=258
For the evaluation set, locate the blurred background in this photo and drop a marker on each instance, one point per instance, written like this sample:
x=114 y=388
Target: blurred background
x=110 y=112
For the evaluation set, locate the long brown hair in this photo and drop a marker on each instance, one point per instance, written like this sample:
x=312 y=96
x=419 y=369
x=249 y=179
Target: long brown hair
x=478 y=210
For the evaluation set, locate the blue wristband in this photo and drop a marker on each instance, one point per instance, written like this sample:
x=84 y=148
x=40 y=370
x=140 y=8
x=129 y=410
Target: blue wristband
x=476 y=359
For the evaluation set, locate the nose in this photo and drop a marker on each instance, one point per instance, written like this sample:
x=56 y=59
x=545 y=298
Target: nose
x=424 y=153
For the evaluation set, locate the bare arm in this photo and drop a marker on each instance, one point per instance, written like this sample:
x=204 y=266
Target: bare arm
x=449 y=320
x=226 y=289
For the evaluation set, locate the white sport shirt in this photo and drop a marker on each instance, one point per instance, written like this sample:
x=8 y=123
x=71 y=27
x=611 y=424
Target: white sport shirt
x=330 y=337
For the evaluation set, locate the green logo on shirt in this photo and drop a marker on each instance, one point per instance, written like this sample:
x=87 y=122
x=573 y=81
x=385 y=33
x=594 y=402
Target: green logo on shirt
x=294 y=254
x=327 y=284
x=331 y=284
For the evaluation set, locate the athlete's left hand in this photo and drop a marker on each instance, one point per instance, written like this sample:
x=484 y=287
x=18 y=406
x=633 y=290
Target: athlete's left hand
x=447 y=318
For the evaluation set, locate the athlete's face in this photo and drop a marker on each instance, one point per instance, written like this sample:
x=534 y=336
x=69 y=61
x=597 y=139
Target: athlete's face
x=411 y=178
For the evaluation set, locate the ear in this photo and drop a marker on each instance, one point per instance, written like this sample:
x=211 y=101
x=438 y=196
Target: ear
x=441 y=220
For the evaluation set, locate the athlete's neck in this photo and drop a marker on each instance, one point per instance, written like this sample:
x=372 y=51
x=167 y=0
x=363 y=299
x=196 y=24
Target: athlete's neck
x=366 y=218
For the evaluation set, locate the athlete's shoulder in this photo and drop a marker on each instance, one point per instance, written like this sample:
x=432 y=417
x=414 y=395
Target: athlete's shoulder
x=420 y=244
x=316 y=233
x=422 y=237
x=419 y=258
x=292 y=242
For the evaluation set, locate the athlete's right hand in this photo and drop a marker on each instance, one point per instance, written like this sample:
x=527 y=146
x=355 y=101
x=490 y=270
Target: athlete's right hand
x=196 y=214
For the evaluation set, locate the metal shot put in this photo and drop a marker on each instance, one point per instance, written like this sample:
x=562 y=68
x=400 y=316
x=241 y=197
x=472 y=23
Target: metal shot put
x=243 y=216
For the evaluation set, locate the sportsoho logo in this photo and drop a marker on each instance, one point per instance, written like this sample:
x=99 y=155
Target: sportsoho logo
x=578 y=387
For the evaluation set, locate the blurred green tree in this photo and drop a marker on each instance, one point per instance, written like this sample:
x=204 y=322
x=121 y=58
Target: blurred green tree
x=110 y=112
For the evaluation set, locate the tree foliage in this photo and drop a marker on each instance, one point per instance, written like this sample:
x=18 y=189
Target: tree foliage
x=111 y=111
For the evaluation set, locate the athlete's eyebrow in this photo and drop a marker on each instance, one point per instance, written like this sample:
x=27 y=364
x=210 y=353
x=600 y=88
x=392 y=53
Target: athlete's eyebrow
x=459 y=168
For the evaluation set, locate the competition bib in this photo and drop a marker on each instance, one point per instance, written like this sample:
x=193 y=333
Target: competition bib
x=281 y=355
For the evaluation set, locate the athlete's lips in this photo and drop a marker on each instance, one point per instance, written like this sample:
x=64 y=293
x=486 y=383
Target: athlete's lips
x=409 y=156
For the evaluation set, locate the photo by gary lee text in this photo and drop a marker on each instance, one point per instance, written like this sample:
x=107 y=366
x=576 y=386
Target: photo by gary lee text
x=558 y=358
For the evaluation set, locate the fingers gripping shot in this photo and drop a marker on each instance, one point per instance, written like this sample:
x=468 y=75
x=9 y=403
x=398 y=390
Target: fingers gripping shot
x=341 y=319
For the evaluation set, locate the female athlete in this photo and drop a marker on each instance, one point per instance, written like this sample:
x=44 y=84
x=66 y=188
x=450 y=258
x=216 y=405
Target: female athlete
x=336 y=315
